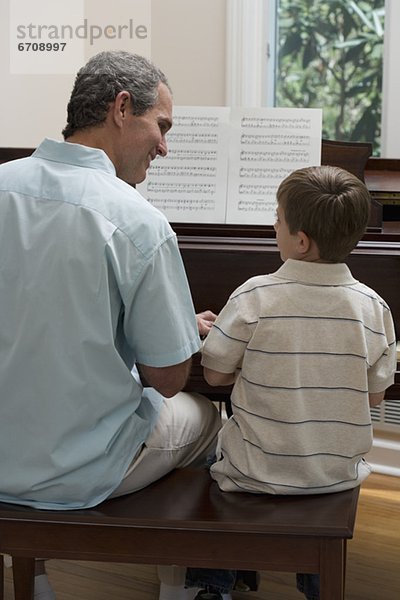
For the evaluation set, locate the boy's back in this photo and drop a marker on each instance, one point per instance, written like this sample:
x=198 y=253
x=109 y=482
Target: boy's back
x=307 y=337
x=309 y=349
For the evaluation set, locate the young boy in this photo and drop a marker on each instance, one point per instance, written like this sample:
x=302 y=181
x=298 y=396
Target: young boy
x=309 y=350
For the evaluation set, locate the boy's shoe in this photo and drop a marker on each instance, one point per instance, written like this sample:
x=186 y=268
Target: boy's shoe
x=247 y=581
x=204 y=595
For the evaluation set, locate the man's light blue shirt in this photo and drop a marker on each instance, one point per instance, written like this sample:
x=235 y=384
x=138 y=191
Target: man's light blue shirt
x=91 y=282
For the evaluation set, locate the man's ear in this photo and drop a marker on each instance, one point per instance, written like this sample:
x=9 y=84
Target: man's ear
x=303 y=243
x=121 y=107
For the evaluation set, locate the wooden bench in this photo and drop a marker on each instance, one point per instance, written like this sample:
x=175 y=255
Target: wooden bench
x=184 y=519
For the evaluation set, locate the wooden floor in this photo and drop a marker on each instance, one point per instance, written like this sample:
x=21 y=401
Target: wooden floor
x=373 y=561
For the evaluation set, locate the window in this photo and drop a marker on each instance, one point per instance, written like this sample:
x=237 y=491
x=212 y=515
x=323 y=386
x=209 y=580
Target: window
x=251 y=61
x=329 y=54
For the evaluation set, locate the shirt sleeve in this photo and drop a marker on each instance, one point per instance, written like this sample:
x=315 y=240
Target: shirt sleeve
x=225 y=345
x=159 y=322
x=381 y=373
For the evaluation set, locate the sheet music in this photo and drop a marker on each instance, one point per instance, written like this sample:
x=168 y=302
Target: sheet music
x=267 y=144
x=224 y=165
x=189 y=184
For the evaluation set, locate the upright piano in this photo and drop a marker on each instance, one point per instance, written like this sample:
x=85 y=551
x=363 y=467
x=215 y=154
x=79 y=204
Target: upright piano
x=218 y=258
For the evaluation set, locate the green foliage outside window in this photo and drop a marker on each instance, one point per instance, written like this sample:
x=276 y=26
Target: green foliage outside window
x=331 y=57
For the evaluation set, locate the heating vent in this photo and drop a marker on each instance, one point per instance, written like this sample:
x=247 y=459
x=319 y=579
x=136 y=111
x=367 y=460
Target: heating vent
x=387 y=415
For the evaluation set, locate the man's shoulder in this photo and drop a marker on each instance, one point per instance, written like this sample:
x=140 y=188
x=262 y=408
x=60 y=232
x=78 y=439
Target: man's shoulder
x=91 y=187
x=127 y=208
x=134 y=220
x=13 y=166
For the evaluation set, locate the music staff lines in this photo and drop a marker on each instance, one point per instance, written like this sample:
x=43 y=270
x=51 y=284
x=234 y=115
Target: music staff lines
x=275 y=140
x=271 y=123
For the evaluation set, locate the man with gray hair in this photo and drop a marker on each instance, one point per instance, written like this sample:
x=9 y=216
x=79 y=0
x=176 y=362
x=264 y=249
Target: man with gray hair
x=93 y=293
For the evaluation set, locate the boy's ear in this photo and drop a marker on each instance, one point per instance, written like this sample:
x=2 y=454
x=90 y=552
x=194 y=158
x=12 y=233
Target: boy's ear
x=303 y=242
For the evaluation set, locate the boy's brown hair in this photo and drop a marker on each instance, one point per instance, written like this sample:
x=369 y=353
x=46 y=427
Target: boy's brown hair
x=330 y=205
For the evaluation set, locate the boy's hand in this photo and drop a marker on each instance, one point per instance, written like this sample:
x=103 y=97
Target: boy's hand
x=205 y=320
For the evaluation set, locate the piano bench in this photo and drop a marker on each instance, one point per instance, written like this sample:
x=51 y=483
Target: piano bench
x=184 y=519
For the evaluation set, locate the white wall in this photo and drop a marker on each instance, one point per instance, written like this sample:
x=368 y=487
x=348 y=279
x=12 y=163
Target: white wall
x=30 y=105
x=187 y=42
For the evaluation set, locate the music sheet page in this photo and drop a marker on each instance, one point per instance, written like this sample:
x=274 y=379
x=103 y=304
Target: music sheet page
x=266 y=145
x=189 y=184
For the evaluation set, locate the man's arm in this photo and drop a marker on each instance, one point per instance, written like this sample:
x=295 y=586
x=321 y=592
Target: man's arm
x=168 y=381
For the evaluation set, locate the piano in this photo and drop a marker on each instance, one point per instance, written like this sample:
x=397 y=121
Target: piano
x=218 y=258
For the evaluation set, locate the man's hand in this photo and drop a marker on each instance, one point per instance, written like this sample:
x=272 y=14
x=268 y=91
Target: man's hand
x=205 y=320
